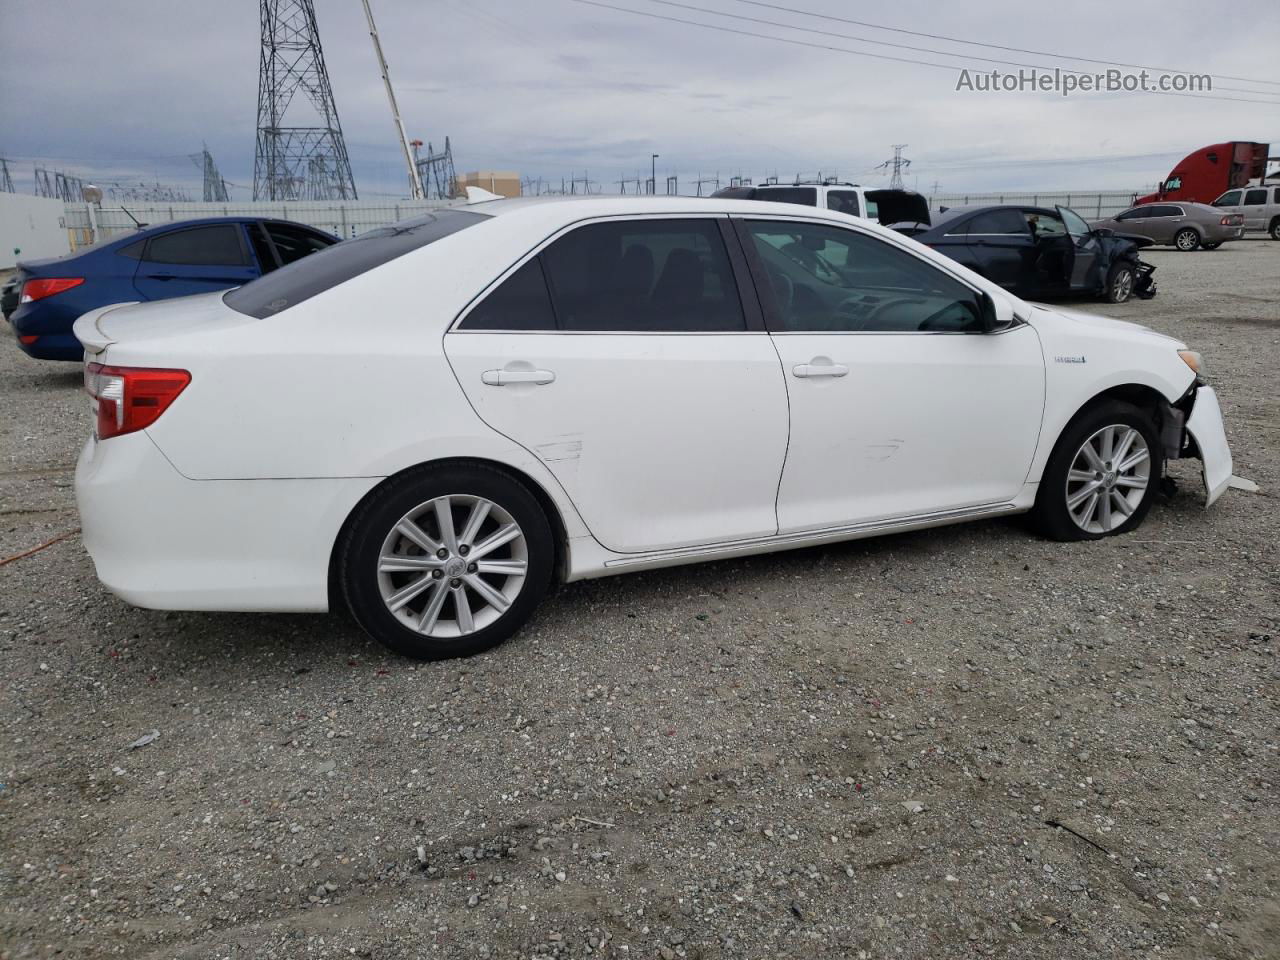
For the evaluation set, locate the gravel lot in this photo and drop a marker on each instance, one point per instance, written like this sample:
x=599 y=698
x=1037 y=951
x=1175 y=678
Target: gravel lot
x=955 y=743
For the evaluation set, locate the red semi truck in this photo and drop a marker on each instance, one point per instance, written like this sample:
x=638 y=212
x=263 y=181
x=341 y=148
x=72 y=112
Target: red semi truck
x=1206 y=174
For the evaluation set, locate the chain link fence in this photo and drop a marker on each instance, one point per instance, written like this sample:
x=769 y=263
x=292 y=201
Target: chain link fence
x=344 y=220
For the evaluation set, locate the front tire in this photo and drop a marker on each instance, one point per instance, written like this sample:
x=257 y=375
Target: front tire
x=446 y=562
x=1102 y=476
x=1186 y=240
x=1119 y=283
x=1274 y=229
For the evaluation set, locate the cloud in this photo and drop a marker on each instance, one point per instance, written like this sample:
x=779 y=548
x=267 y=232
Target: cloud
x=559 y=88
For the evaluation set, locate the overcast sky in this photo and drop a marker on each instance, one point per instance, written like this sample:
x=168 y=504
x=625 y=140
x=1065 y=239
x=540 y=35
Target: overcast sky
x=556 y=88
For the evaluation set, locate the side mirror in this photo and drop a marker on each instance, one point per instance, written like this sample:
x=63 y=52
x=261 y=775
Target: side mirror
x=993 y=314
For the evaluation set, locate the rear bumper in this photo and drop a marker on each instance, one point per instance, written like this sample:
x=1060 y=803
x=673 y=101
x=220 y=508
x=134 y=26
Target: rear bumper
x=1205 y=427
x=161 y=541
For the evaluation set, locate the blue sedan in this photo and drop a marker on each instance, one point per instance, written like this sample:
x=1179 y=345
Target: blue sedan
x=157 y=263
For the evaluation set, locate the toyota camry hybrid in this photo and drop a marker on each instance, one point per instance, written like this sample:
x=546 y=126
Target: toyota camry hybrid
x=431 y=423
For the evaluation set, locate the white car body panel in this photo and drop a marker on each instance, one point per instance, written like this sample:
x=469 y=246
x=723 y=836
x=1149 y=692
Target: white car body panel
x=895 y=436
x=289 y=421
x=1205 y=427
x=668 y=479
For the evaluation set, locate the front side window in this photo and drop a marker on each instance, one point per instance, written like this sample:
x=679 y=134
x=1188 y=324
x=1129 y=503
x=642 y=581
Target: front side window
x=647 y=276
x=1173 y=183
x=1044 y=224
x=1228 y=199
x=1076 y=225
x=844 y=201
x=825 y=279
x=1255 y=196
x=216 y=245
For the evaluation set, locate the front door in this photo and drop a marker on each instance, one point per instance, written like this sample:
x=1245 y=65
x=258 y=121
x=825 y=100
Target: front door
x=638 y=378
x=194 y=260
x=1082 y=253
x=900 y=405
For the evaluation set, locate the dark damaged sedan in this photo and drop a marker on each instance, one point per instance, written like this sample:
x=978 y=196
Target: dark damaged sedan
x=1038 y=253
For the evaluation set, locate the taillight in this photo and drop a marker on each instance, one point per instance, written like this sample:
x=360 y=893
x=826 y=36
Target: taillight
x=37 y=288
x=131 y=398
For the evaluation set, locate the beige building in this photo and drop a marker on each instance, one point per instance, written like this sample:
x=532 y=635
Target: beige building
x=505 y=183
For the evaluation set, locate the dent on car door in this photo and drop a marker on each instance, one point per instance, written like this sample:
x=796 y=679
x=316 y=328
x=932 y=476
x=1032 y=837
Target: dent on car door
x=621 y=355
x=900 y=406
x=190 y=260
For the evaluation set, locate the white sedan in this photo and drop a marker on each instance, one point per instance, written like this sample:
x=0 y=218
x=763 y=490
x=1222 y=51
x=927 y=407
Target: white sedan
x=432 y=422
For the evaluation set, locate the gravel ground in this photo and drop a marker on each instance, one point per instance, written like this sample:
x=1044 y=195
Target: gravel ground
x=960 y=742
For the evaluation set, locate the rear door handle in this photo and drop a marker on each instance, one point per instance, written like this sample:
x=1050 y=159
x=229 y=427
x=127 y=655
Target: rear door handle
x=500 y=378
x=827 y=369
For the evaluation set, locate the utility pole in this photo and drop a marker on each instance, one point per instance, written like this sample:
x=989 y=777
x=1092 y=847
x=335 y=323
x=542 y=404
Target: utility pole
x=415 y=181
x=6 y=179
x=653 y=174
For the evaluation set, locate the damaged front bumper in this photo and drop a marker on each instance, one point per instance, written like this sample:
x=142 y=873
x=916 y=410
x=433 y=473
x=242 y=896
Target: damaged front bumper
x=1144 y=281
x=1195 y=429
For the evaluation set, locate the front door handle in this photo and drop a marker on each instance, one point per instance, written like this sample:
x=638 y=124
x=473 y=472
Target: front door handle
x=819 y=367
x=500 y=378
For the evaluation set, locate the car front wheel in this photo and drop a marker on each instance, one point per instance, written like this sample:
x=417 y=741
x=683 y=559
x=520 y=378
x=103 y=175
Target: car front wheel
x=1120 y=283
x=1274 y=230
x=1102 y=476
x=446 y=562
x=1186 y=239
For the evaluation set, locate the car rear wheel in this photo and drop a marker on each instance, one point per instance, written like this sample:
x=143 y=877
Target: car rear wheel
x=1274 y=229
x=1186 y=239
x=1102 y=476
x=1120 y=283
x=446 y=562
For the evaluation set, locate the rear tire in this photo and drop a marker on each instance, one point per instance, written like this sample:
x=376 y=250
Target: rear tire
x=1186 y=240
x=443 y=562
x=1274 y=229
x=1120 y=280
x=1107 y=490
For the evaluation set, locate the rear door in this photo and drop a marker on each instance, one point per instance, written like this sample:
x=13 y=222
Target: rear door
x=1006 y=252
x=189 y=260
x=630 y=357
x=1254 y=207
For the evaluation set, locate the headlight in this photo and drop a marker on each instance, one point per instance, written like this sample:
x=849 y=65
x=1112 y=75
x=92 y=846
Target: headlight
x=1194 y=361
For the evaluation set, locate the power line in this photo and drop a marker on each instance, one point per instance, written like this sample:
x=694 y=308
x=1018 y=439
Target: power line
x=857 y=53
x=976 y=43
x=905 y=46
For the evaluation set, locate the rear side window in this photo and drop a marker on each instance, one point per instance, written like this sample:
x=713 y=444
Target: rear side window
x=999 y=223
x=294 y=243
x=845 y=201
x=644 y=275
x=320 y=271
x=521 y=302
x=1255 y=196
x=219 y=245
x=808 y=196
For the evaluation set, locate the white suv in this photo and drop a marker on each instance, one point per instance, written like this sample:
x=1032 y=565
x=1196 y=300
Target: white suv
x=1259 y=205
x=886 y=206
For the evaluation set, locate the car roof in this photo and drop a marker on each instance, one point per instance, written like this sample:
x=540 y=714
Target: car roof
x=572 y=208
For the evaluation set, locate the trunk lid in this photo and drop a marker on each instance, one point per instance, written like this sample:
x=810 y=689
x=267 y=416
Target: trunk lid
x=156 y=322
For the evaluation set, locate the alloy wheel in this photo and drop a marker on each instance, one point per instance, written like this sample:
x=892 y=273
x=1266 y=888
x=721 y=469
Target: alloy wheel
x=452 y=565
x=1108 y=478
x=1187 y=240
x=1122 y=286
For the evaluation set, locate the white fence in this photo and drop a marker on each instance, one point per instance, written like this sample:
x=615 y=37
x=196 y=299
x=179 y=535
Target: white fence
x=346 y=219
x=1090 y=204
x=341 y=219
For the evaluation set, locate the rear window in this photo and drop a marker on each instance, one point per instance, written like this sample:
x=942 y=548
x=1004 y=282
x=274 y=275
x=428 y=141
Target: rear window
x=808 y=196
x=318 y=272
